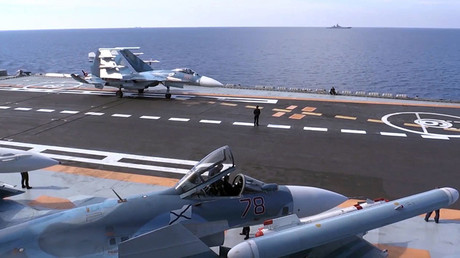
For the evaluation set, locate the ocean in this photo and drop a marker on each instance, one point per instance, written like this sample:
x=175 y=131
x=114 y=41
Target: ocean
x=421 y=63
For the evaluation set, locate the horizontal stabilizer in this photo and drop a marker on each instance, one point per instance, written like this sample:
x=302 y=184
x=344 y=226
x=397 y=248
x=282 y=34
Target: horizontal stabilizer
x=78 y=78
x=170 y=241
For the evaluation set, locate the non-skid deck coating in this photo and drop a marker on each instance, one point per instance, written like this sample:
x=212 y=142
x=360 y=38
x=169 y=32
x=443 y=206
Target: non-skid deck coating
x=360 y=147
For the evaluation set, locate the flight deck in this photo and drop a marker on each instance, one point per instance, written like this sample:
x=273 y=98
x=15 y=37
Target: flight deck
x=358 y=146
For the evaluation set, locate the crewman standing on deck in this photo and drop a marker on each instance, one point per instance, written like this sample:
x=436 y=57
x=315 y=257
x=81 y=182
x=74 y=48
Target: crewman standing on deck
x=256 y=116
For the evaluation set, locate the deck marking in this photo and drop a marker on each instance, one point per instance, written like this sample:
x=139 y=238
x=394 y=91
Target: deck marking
x=111 y=158
x=452 y=129
x=281 y=110
x=345 y=117
x=278 y=114
x=69 y=112
x=353 y=131
x=210 y=121
x=229 y=104
x=121 y=115
x=150 y=117
x=312 y=114
x=243 y=124
x=179 y=119
x=393 y=134
x=428 y=122
x=374 y=121
x=437 y=137
x=4 y=107
x=308 y=109
x=317 y=129
x=23 y=109
x=45 y=110
x=94 y=114
x=297 y=116
x=279 y=126
x=292 y=107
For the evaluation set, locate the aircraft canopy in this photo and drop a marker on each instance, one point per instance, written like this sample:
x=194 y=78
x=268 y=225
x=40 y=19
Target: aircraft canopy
x=209 y=170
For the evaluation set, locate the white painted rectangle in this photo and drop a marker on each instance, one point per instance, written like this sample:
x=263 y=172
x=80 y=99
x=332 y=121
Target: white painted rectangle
x=45 y=110
x=436 y=137
x=69 y=112
x=210 y=121
x=150 y=117
x=353 y=131
x=4 y=107
x=393 y=134
x=94 y=114
x=317 y=129
x=279 y=126
x=22 y=109
x=179 y=119
x=121 y=115
x=243 y=123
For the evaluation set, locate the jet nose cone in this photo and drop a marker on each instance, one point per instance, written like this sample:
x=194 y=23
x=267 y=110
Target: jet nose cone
x=311 y=200
x=452 y=193
x=38 y=161
x=210 y=82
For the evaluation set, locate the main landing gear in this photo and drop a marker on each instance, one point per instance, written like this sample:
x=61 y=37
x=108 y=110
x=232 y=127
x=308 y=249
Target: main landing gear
x=119 y=93
x=167 y=95
x=140 y=91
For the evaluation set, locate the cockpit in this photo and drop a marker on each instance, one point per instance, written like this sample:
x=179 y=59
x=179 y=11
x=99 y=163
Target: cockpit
x=186 y=71
x=214 y=176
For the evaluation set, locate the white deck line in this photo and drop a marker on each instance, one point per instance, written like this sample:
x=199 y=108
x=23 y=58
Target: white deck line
x=4 y=107
x=150 y=117
x=121 y=115
x=437 y=137
x=317 y=129
x=69 y=112
x=179 y=119
x=45 y=110
x=243 y=124
x=23 y=109
x=94 y=114
x=210 y=121
x=393 y=134
x=353 y=131
x=279 y=126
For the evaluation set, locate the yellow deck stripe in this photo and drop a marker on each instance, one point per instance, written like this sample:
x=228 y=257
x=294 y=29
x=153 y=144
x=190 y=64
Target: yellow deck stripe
x=404 y=252
x=143 y=179
x=375 y=121
x=229 y=104
x=345 y=117
x=291 y=107
x=413 y=125
x=452 y=129
x=312 y=114
x=281 y=110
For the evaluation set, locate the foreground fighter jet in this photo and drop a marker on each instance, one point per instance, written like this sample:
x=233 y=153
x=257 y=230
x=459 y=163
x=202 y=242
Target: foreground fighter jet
x=119 y=67
x=12 y=161
x=177 y=222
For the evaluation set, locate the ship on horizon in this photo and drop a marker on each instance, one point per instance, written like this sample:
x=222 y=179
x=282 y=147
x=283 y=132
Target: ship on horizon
x=337 y=26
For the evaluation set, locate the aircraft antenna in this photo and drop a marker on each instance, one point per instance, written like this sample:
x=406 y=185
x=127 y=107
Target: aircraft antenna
x=120 y=200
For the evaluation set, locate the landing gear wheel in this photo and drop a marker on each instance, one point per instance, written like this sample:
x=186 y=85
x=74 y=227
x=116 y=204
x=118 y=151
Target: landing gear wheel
x=140 y=91
x=168 y=95
x=119 y=94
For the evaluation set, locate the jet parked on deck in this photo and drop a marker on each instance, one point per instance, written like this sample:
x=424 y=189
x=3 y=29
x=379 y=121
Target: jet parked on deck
x=184 y=220
x=120 y=68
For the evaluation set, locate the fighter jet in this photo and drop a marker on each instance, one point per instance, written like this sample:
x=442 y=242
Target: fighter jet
x=181 y=221
x=119 y=67
x=12 y=161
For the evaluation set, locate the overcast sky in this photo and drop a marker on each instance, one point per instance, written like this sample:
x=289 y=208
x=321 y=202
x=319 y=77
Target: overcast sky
x=65 y=14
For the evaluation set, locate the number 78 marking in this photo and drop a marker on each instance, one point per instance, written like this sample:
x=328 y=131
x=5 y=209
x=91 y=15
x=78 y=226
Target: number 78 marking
x=259 y=205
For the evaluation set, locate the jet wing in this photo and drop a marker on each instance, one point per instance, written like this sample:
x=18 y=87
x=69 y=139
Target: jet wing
x=8 y=190
x=170 y=241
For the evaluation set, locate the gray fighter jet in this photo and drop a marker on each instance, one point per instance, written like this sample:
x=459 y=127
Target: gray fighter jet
x=119 y=67
x=182 y=221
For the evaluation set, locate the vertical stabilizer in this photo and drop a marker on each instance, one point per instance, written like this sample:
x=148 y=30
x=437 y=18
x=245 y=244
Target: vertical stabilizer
x=96 y=63
x=136 y=63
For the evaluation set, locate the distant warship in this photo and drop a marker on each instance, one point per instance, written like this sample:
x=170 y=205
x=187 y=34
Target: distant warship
x=337 y=26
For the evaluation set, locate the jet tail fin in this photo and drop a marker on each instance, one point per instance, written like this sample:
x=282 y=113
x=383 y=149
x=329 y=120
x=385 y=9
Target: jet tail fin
x=136 y=63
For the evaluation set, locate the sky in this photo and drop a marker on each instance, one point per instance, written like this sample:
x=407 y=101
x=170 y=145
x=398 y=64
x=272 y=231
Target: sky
x=71 y=14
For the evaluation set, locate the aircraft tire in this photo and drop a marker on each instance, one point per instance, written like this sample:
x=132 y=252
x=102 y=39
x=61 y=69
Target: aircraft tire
x=168 y=95
x=140 y=91
x=120 y=94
